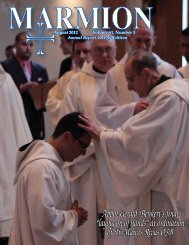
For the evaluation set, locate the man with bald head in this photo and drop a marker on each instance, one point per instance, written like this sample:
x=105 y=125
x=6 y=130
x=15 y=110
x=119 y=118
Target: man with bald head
x=141 y=39
x=83 y=174
x=148 y=158
x=116 y=104
x=90 y=78
x=144 y=39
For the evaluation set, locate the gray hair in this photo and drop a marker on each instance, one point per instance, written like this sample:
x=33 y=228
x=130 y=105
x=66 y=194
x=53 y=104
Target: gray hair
x=144 y=27
x=143 y=59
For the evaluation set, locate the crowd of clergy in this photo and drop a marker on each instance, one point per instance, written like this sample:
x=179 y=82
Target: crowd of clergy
x=116 y=168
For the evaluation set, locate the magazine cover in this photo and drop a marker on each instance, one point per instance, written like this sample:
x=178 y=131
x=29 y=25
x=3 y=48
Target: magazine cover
x=94 y=99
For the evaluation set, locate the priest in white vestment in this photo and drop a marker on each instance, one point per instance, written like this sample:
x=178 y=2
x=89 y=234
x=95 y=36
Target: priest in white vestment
x=81 y=53
x=83 y=174
x=113 y=109
x=149 y=155
x=116 y=104
x=14 y=132
x=44 y=211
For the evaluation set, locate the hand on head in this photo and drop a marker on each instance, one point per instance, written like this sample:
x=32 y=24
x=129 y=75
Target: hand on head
x=91 y=127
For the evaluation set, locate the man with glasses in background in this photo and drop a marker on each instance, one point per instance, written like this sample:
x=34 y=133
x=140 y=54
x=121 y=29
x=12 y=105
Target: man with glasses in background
x=83 y=174
x=147 y=159
x=112 y=109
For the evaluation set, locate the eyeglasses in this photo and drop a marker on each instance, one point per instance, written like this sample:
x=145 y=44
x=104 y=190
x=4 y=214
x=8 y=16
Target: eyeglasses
x=107 y=50
x=83 y=145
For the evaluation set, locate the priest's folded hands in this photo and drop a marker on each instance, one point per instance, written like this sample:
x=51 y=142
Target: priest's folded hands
x=91 y=127
x=82 y=214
